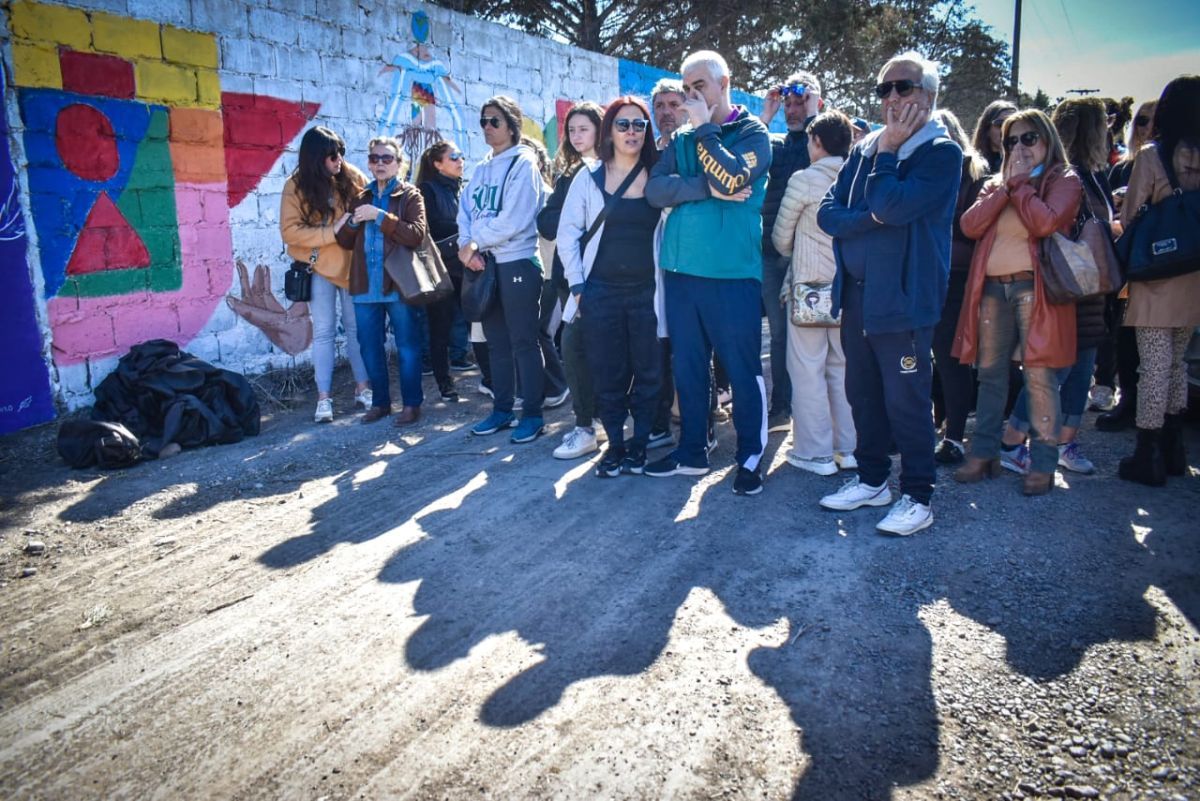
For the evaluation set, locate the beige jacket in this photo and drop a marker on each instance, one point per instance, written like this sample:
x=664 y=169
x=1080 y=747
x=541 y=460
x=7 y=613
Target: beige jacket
x=1170 y=302
x=796 y=231
x=333 y=263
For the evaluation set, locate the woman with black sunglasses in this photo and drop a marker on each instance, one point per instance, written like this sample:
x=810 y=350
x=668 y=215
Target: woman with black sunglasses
x=614 y=281
x=1006 y=310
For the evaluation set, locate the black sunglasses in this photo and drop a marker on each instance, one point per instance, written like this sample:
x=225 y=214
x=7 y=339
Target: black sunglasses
x=1029 y=139
x=625 y=124
x=492 y=121
x=1141 y=120
x=903 y=87
x=339 y=152
x=376 y=158
x=455 y=156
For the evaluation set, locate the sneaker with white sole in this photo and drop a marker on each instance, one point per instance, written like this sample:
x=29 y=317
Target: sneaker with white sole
x=324 y=413
x=845 y=461
x=906 y=517
x=365 y=398
x=1070 y=457
x=855 y=494
x=554 y=401
x=747 y=482
x=821 y=465
x=659 y=439
x=577 y=442
x=485 y=389
x=667 y=466
x=1015 y=459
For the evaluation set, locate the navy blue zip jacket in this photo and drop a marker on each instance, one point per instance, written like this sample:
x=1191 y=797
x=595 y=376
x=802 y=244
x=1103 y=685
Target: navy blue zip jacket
x=891 y=216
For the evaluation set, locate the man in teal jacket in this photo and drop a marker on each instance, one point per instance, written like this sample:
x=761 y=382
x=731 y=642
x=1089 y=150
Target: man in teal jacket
x=713 y=177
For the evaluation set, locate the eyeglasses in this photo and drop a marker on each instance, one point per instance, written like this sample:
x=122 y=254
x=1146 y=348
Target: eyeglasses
x=797 y=89
x=903 y=87
x=377 y=158
x=337 y=155
x=1029 y=139
x=455 y=156
x=624 y=124
x=1141 y=120
x=492 y=121
x=999 y=121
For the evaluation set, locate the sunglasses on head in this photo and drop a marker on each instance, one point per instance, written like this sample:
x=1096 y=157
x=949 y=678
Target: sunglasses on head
x=1029 y=139
x=623 y=125
x=903 y=87
x=1141 y=120
x=492 y=121
x=797 y=89
x=999 y=121
x=380 y=158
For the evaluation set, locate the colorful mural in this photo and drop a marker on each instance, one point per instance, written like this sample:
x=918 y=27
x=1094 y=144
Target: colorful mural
x=420 y=84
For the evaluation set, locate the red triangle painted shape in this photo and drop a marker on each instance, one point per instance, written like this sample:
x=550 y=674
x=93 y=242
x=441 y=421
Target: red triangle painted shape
x=257 y=131
x=107 y=242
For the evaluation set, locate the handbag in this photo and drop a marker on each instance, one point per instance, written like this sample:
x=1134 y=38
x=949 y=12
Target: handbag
x=423 y=277
x=479 y=288
x=812 y=305
x=1163 y=240
x=1084 y=264
x=297 y=282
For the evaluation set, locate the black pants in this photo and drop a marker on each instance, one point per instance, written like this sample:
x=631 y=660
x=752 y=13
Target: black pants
x=556 y=377
x=511 y=328
x=441 y=321
x=957 y=383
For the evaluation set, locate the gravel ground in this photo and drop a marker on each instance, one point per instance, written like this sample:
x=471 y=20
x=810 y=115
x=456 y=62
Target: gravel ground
x=350 y=611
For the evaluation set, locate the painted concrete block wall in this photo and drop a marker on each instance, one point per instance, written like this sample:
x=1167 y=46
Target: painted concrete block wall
x=153 y=138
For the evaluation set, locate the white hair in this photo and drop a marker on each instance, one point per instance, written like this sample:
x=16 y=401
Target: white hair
x=928 y=69
x=710 y=59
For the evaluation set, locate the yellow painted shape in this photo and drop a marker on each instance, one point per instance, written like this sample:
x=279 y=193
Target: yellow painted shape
x=208 y=84
x=36 y=65
x=57 y=24
x=165 y=83
x=189 y=47
x=531 y=129
x=126 y=37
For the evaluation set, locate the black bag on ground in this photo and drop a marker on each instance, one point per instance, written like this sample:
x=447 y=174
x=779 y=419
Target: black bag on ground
x=95 y=443
x=1163 y=240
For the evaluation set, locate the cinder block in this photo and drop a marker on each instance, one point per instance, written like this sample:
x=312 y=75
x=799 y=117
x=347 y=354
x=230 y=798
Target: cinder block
x=196 y=126
x=198 y=163
x=97 y=74
x=54 y=24
x=166 y=83
x=78 y=336
x=317 y=36
x=274 y=26
x=229 y=83
x=297 y=64
x=225 y=17
x=274 y=87
x=347 y=73
x=208 y=88
x=125 y=37
x=131 y=327
x=171 y=11
x=189 y=47
x=36 y=65
x=247 y=55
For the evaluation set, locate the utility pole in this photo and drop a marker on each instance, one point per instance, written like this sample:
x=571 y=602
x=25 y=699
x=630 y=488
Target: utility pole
x=1016 y=54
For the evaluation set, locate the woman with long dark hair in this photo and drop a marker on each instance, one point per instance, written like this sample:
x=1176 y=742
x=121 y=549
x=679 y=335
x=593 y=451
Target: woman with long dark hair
x=614 y=281
x=986 y=138
x=1165 y=312
x=312 y=210
x=1006 y=310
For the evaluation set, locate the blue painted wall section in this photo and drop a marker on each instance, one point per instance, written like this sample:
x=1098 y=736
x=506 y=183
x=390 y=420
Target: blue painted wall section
x=25 y=398
x=639 y=79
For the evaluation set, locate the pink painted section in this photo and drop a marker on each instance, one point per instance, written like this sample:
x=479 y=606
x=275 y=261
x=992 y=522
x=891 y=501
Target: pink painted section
x=90 y=328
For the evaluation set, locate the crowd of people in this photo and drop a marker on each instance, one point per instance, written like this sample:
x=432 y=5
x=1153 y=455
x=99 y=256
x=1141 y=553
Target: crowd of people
x=898 y=268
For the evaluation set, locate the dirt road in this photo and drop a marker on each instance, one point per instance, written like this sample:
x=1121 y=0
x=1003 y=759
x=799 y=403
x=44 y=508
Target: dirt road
x=348 y=612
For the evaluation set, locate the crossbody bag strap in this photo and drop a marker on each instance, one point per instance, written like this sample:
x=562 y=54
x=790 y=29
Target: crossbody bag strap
x=312 y=259
x=609 y=206
x=500 y=200
x=1169 y=168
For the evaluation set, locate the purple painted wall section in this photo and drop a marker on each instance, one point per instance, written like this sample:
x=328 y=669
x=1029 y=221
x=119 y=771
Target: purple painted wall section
x=25 y=398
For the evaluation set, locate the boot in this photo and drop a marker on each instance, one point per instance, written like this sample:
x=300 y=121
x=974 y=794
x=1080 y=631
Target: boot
x=1174 y=456
x=1121 y=417
x=977 y=469
x=1034 y=483
x=1146 y=466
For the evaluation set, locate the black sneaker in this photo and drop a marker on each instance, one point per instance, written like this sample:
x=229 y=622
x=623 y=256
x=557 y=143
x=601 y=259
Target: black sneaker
x=667 y=466
x=610 y=465
x=950 y=452
x=747 y=482
x=461 y=365
x=779 y=420
x=426 y=367
x=448 y=393
x=659 y=439
x=634 y=464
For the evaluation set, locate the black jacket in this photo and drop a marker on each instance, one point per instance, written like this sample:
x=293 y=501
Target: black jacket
x=789 y=154
x=962 y=247
x=1090 y=326
x=548 y=217
x=441 y=212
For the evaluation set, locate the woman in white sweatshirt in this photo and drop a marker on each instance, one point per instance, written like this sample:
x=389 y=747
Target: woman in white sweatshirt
x=823 y=435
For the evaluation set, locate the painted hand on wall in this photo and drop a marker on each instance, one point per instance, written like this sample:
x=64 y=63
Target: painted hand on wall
x=289 y=329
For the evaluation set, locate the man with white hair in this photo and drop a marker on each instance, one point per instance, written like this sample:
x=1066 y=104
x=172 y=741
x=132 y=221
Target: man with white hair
x=713 y=176
x=890 y=214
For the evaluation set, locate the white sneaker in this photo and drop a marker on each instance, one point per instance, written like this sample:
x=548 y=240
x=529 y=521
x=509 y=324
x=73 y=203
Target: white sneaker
x=906 y=517
x=364 y=398
x=854 y=494
x=324 y=413
x=577 y=442
x=554 y=401
x=845 y=461
x=821 y=465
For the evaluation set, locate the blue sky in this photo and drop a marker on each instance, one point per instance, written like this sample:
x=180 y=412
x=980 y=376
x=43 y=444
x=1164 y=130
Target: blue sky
x=1121 y=48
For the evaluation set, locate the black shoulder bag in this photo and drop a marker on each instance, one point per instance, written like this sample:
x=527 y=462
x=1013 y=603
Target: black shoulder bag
x=479 y=288
x=1163 y=240
x=297 y=283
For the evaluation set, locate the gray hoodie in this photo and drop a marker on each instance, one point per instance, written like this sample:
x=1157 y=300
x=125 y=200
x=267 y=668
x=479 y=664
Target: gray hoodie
x=511 y=233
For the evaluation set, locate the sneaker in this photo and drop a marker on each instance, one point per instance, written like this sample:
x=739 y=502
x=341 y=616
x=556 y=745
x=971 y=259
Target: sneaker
x=854 y=494
x=578 y=442
x=486 y=389
x=529 y=429
x=1101 y=398
x=821 y=465
x=711 y=445
x=845 y=461
x=1015 y=459
x=601 y=434
x=667 y=466
x=448 y=393
x=906 y=517
x=461 y=365
x=554 y=401
x=324 y=413
x=747 y=482
x=493 y=423
x=426 y=368
x=1071 y=458
x=950 y=451
x=365 y=398
x=779 y=420
x=518 y=404
x=634 y=464
x=659 y=439
x=610 y=465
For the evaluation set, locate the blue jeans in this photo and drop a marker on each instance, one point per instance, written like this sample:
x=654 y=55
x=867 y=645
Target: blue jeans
x=774 y=271
x=1073 y=385
x=372 y=339
x=1004 y=316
